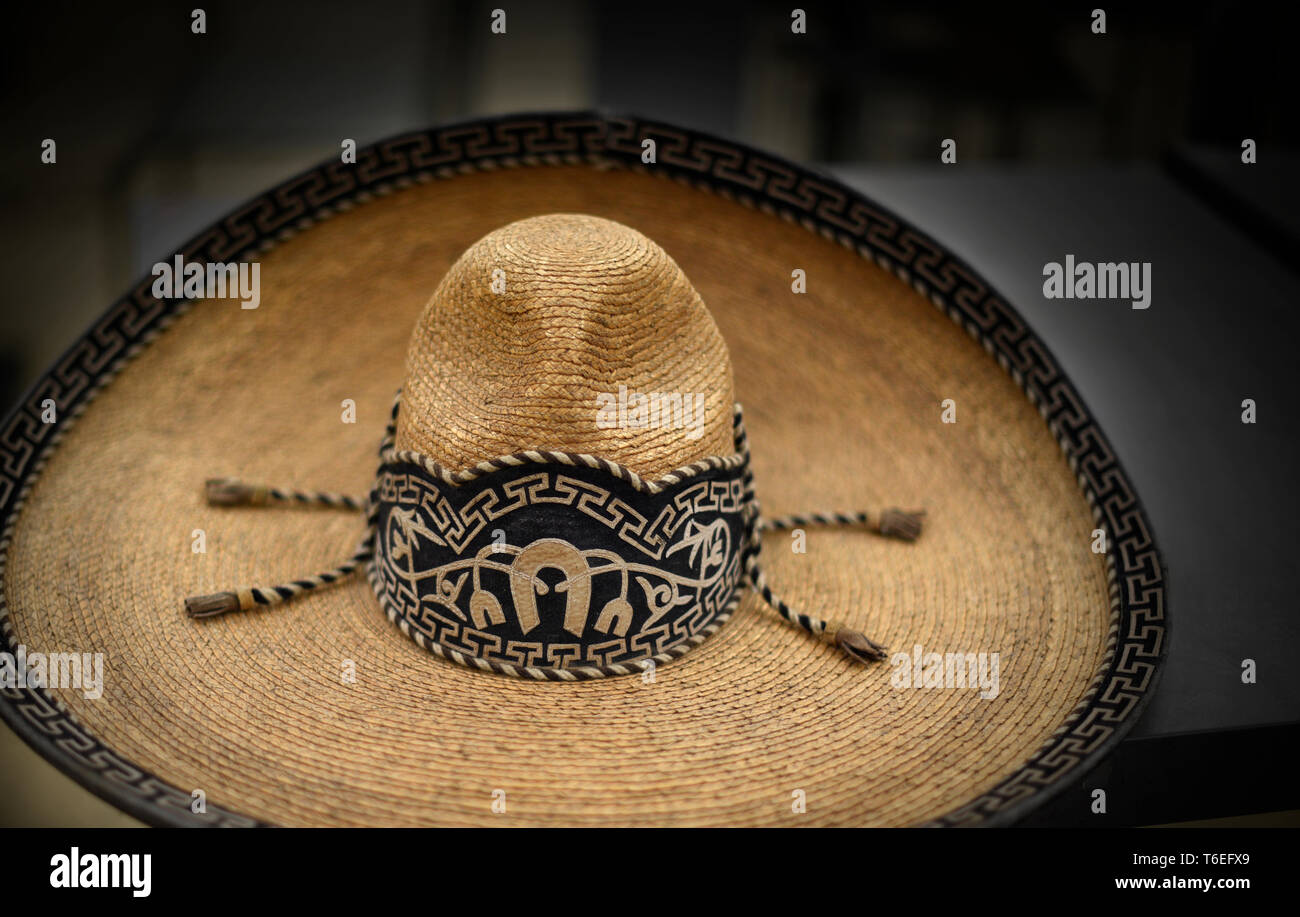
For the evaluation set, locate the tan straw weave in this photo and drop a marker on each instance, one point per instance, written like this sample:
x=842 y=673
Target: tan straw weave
x=586 y=305
x=842 y=389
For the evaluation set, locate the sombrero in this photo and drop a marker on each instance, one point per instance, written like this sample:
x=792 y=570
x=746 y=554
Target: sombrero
x=593 y=568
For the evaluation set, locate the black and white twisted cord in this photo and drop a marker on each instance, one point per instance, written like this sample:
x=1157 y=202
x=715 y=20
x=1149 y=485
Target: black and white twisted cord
x=207 y=606
x=233 y=492
x=892 y=523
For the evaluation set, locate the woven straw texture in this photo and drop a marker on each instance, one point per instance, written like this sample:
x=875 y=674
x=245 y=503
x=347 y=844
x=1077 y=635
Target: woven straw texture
x=583 y=306
x=842 y=389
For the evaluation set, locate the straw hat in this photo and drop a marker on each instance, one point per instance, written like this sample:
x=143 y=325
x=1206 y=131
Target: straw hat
x=595 y=567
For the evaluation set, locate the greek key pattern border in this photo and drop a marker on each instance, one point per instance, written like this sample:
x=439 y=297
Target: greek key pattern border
x=651 y=537
x=1138 y=634
x=433 y=614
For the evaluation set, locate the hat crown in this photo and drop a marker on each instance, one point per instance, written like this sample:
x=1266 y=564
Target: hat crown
x=567 y=333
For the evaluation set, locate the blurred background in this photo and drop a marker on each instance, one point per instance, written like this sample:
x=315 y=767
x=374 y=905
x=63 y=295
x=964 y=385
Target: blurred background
x=160 y=131
x=1123 y=146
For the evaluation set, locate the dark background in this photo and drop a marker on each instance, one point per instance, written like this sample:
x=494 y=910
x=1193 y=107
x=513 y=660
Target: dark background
x=1123 y=146
x=160 y=131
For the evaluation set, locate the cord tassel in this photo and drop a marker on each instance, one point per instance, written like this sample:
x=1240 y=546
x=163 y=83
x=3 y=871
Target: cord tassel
x=209 y=606
x=219 y=603
x=234 y=492
x=853 y=643
x=891 y=523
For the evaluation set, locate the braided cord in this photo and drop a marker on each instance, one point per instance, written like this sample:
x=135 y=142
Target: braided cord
x=218 y=603
x=892 y=523
x=233 y=492
x=800 y=521
x=753 y=571
x=315 y=498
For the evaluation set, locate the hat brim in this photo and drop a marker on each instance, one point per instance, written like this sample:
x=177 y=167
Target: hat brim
x=844 y=389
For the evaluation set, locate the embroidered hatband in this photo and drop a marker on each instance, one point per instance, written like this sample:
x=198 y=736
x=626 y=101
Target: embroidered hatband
x=560 y=565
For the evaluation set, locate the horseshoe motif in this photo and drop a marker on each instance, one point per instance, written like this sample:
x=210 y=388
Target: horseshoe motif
x=641 y=572
x=551 y=552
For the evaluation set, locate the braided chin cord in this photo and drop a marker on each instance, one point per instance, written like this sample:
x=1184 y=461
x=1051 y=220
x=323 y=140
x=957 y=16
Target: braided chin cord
x=891 y=523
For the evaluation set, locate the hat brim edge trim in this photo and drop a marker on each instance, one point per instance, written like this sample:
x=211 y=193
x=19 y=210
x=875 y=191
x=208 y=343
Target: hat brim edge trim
x=999 y=805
